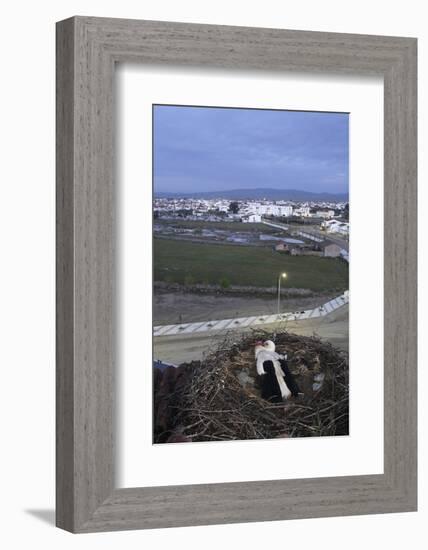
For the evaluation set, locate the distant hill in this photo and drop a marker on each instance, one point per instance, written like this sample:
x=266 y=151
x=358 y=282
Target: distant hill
x=259 y=194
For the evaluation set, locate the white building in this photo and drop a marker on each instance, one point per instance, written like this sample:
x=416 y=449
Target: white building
x=285 y=210
x=326 y=214
x=335 y=226
x=303 y=211
x=252 y=218
x=332 y=250
x=268 y=209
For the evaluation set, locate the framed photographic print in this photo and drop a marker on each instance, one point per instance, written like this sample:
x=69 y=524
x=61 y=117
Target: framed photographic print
x=236 y=288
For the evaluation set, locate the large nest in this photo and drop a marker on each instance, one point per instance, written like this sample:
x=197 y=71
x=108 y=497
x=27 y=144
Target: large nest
x=219 y=398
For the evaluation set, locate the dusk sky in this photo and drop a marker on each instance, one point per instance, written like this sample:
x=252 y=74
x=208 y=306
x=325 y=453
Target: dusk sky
x=214 y=149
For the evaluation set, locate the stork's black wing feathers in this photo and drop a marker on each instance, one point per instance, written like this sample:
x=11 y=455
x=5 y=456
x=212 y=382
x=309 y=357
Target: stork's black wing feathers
x=289 y=378
x=269 y=384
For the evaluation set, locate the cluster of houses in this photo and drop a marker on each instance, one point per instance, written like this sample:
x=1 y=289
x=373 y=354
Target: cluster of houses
x=253 y=211
x=249 y=210
x=325 y=249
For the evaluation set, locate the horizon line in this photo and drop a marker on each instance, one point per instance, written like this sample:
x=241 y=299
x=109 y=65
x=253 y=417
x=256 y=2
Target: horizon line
x=256 y=189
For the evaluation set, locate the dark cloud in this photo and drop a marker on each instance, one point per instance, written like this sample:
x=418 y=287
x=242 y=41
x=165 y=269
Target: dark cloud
x=210 y=149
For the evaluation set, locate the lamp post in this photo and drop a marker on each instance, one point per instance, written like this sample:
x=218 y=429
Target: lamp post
x=280 y=276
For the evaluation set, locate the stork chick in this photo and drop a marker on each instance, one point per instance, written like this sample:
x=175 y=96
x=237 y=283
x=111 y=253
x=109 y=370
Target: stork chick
x=269 y=368
x=288 y=376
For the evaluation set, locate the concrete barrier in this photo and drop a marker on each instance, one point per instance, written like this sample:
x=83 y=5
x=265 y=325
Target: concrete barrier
x=256 y=320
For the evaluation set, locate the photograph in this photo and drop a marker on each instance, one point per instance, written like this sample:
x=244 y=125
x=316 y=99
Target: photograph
x=250 y=273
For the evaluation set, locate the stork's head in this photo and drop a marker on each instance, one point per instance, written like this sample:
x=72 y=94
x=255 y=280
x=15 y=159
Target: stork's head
x=269 y=345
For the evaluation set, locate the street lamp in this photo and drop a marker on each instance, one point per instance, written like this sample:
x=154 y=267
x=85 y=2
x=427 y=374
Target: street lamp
x=280 y=276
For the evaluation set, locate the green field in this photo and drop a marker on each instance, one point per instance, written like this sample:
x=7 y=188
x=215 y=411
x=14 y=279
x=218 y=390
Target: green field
x=189 y=263
x=230 y=226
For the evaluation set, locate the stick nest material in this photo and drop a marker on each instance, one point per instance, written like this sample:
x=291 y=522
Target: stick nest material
x=218 y=399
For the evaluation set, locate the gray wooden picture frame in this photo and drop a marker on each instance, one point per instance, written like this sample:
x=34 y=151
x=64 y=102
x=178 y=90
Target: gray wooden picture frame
x=87 y=50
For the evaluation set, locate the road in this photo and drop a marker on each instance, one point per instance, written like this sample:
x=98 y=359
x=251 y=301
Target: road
x=182 y=348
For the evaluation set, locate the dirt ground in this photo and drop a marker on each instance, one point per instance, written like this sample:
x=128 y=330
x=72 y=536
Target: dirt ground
x=182 y=348
x=176 y=308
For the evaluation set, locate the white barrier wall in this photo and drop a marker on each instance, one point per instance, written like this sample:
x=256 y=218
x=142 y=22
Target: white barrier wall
x=256 y=320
